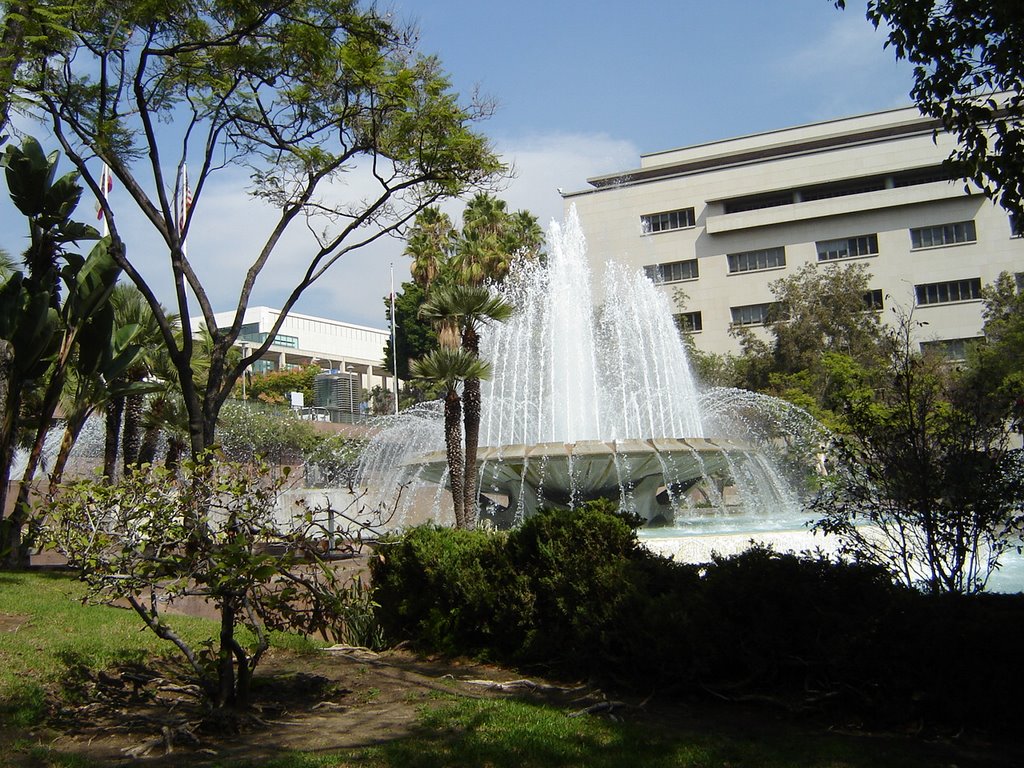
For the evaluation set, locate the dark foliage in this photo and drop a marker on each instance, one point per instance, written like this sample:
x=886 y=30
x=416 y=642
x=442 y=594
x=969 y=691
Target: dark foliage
x=573 y=592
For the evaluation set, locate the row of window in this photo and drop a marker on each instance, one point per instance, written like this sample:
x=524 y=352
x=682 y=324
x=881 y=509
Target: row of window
x=828 y=250
x=931 y=293
x=840 y=188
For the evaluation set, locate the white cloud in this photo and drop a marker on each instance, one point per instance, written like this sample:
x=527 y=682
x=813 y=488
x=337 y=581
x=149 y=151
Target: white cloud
x=229 y=227
x=354 y=287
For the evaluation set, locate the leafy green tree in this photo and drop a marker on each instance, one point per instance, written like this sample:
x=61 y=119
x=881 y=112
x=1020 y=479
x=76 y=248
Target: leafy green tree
x=820 y=312
x=303 y=95
x=56 y=316
x=995 y=367
x=275 y=386
x=928 y=484
x=451 y=367
x=414 y=338
x=968 y=59
x=822 y=308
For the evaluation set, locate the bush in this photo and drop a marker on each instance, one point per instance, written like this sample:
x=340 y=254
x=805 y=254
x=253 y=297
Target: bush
x=452 y=591
x=787 y=621
x=574 y=592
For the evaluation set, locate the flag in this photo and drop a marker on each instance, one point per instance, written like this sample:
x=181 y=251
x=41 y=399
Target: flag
x=106 y=185
x=184 y=204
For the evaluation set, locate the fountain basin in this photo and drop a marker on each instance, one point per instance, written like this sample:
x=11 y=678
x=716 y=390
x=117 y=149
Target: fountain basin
x=641 y=474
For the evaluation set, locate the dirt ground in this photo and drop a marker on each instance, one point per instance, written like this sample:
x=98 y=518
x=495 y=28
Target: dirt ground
x=340 y=698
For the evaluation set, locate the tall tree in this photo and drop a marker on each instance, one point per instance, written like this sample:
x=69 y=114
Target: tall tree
x=430 y=244
x=467 y=308
x=968 y=58
x=457 y=300
x=822 y=308
x=304 y=94
x=451 y=367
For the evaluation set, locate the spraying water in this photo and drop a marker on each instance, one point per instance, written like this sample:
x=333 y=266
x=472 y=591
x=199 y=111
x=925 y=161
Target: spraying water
x=589 y=401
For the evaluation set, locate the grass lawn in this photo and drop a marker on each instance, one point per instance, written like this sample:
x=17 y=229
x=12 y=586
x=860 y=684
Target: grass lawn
x=46 y=633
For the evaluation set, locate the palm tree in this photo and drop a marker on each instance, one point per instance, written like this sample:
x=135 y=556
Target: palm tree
x=430 y=245
x=450 y=367
x=468 y=307
x=124 y=413
x=479 y=255
x=524 y=236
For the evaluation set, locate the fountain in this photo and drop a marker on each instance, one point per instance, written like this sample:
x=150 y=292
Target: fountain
x=589 y=401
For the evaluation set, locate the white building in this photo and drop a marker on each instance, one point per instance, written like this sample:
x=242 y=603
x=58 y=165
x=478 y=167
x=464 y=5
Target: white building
x=337 y=347
x=722 y=220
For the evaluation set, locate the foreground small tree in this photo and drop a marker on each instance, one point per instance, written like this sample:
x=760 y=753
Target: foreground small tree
x=133 y=541
x=928 y=483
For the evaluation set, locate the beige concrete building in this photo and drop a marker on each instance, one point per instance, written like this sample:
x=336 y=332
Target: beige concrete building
x=351 y=352
x=722 y=220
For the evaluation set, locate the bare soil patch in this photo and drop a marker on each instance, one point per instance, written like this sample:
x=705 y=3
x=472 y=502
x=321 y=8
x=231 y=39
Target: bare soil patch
x=11 y=622
x=337 y=699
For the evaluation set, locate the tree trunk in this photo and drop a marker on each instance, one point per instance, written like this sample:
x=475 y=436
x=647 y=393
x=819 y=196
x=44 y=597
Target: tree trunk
x=71 y=432
x=16 y=551
x=453 y=451
x=132 y=430
x=226 y=657
x=10 y=396
x=112 y=436
x=471 y=419
x=150 y=442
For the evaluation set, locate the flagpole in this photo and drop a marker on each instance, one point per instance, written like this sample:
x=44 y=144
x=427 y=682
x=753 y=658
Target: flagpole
x=394 y=345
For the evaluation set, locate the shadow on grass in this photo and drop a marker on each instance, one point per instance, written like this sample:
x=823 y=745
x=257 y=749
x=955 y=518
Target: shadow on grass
x=512 y=734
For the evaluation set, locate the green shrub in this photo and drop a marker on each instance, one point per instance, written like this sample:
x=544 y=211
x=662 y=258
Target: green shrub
x=791 y=621
x=453 y=591
x=575 y=593
x=576 y=565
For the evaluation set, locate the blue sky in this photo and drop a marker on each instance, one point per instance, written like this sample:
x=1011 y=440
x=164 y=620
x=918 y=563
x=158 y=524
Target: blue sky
x=583 y=90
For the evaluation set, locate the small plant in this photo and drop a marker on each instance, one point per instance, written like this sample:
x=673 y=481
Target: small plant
x=209 y=532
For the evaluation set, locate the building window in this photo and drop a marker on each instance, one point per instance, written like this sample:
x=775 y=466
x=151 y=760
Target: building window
x=757 y=202
x=947 y=293
x=1018 y=278
x=750 y=314
x=749 y=261
x=1016 y=225
x=951 y=349
x=667 y=220
x=873 y=299
x=672 y=272
x=690 y=322
x=847 y=248
x=943 y=234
